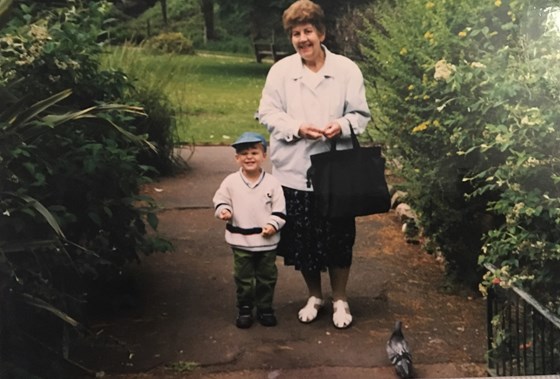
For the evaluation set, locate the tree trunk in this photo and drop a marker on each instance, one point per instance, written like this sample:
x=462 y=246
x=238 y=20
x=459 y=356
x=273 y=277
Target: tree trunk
x=207 y=7
x=164 y=11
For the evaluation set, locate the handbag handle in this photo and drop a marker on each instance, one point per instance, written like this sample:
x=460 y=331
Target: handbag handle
x=355 y=143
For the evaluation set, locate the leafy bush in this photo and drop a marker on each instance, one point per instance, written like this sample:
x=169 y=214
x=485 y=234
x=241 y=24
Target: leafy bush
x=526 y=248
x=175 y=43
x=401 y=47
x=71 y=208
x=83 y=167
x=151 y=84
x=159 y=126
x=466 y=97
x=69 y=52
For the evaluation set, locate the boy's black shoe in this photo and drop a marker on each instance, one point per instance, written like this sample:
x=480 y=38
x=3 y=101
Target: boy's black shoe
x=245 y=317
x=266 y=317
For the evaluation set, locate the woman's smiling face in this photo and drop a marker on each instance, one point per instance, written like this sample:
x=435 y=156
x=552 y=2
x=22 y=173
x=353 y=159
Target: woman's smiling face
x=307 y=40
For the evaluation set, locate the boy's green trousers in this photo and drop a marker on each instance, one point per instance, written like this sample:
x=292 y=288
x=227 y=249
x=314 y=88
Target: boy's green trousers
x=255 y=275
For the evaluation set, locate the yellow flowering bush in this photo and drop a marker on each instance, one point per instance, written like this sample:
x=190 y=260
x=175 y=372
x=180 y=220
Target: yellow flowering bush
x=484 y=179
x=412 y=100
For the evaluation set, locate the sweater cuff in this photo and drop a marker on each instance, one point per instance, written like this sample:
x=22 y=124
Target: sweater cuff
x=221 y=207
x=292 y=132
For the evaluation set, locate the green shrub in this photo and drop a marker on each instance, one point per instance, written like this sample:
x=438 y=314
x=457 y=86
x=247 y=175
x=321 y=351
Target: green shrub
x=174 y=43
x=402 y=45
x=466 y=98
x=71 y=168
x=72 y=212
x=151 y=85
x=525 y=136
x=159 y=127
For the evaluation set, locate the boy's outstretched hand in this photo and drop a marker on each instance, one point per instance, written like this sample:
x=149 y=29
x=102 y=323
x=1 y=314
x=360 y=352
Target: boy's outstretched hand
x=225 y=215
x=268 y=230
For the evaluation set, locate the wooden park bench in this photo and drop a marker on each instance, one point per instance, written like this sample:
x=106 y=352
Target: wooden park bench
x=268 y=50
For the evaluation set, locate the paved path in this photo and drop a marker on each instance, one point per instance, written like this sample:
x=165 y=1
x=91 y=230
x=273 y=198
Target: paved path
x=184 y=306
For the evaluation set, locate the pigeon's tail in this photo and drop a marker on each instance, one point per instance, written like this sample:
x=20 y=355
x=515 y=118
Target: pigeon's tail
x=403 y=367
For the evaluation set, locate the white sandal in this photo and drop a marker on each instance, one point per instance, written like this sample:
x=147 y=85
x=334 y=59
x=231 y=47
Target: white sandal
x=309 y=313
x=342 y=318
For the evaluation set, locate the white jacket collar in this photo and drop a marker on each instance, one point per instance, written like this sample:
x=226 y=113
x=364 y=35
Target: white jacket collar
x=297 y=65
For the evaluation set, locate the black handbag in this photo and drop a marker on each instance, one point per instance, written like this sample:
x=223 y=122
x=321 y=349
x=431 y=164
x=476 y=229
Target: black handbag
x=349 y=183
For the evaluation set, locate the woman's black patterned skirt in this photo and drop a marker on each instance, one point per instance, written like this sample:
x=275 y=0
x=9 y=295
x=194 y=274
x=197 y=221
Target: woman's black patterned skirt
x=311 y=243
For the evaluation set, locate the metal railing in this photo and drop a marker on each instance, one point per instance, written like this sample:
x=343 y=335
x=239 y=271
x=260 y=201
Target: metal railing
x=523 y=336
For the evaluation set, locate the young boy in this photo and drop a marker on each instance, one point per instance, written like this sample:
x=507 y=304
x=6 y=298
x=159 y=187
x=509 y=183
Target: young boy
x=252 y=202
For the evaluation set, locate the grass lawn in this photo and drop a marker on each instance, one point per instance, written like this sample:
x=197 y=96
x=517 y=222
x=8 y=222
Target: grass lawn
x=222 y=95
x=216 y=96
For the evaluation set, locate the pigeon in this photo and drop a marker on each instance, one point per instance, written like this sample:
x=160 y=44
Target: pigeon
x=399 y=353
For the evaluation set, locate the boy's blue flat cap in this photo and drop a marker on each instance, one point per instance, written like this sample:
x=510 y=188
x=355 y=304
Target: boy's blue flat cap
x=250 y=137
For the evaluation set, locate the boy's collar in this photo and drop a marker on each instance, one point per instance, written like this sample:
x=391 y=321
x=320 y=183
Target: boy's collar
x=249 y=183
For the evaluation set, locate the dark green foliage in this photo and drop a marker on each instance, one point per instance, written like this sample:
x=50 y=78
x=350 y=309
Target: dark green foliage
x=158 y=125
x=86 y=169
x=71 y=209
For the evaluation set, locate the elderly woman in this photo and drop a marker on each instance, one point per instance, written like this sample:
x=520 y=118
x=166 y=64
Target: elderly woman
x=310 y=98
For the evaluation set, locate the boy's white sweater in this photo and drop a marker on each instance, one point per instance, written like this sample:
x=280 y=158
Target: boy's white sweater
x=252 y=205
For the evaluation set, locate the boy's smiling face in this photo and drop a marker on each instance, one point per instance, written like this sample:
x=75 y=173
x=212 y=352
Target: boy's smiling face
x=250 y=159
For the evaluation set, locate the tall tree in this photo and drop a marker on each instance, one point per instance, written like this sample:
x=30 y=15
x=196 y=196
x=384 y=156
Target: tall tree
x=207 y=7
x=163 y=4
x=164 y=11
